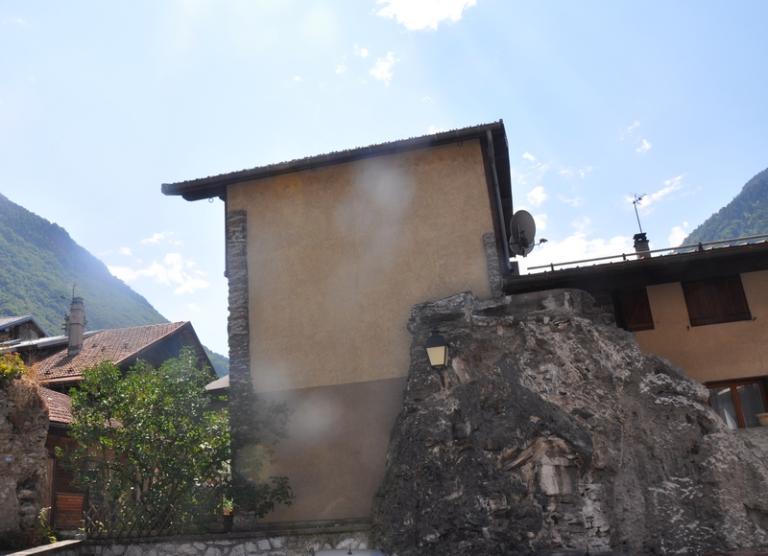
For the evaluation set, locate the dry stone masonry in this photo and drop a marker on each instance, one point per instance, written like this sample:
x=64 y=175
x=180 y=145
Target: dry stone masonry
x=551 y=432
x=23 y=461
x=290 y=545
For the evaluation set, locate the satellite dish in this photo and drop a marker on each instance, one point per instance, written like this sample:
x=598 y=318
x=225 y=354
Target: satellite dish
x=522 y=231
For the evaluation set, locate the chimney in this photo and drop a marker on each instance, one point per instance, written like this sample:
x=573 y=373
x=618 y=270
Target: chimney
x=76 y=325
x=641 y=246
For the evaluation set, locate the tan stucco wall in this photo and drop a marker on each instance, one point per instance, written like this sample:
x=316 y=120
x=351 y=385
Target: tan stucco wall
x=338 y=255
x=335 y=448
x=716 y=351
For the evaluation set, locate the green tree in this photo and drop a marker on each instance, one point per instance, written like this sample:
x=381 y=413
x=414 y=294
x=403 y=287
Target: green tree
x=152 y=449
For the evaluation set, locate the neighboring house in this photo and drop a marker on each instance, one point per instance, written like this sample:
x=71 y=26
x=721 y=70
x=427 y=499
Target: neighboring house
x=15 y=329
x=58 y=363
x=704 y=308
x=218 y=390
x=325 y=258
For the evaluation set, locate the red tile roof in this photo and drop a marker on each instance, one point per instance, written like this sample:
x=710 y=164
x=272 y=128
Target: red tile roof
x=116 y=345
x=59 y=406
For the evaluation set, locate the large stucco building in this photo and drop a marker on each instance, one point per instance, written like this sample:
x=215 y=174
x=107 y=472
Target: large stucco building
x=326 y=256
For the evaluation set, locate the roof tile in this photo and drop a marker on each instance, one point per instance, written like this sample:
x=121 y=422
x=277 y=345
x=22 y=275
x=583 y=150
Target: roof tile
x=116 y=345
x=59 y=405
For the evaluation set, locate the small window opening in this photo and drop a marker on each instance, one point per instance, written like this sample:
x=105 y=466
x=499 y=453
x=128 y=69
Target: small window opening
x=739 y=401
x=633 y=311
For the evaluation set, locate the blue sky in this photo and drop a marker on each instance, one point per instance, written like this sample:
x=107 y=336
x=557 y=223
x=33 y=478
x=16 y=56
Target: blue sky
x=101 y=102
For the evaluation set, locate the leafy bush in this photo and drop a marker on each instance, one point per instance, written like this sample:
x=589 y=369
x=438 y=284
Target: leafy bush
x=152 y=450
x=11 y=366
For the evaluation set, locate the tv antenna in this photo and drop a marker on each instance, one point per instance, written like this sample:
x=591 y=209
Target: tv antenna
x=522 y=233
x=636 y=200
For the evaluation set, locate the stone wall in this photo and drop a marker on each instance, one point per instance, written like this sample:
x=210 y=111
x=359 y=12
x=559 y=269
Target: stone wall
x=23 y=461
x=551 y=431
x=240 y=387
x=278 y=545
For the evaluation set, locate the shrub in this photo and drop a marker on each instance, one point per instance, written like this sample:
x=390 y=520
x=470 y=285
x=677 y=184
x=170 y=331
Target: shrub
x=152 y=451
x=11 y=367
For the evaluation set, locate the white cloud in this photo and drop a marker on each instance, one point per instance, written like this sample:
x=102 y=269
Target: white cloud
x=173 y=271
x=529 y=157
x=382 y=70
x=670 y=186
x=541 y=221
x=194 y=307
x=341 y=68
x=435 y=129
x=574 y=202
x=644 y=146
x=569 y=172
x=161 y=237
x=155 y=238
x=361 y=51
x=417 y=15
x=578 y=246
x=631 y=128
x=297 y=79
x=537 y=196
x=582 y=224
x=16 y=21
x=426 y=99
x=125 y=251
x=677 y=234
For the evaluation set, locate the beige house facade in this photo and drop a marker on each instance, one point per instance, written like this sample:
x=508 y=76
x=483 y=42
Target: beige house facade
x=717 y=352
x=325 y=258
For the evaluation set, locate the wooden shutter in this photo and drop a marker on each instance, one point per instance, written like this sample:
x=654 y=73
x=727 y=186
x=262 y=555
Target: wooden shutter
x=716 y=300
x=634 y=310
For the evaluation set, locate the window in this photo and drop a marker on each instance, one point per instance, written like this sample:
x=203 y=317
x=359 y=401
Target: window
x=633 y=312
x=717 y=300
x=739 y=401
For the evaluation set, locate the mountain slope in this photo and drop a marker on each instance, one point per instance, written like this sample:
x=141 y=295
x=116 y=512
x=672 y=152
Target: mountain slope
x=39 y=264
x=745 y=215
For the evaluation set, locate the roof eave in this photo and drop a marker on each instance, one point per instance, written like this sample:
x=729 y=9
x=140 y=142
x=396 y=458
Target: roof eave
x=654 y=270
x=215 y=186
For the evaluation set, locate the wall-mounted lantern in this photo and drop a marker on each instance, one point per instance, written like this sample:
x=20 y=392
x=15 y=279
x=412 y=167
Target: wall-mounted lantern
x=437 y=350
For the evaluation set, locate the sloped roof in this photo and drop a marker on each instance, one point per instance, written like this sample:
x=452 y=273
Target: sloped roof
x=116 y=345
x=13 y=320
x=40 y=343
x=59 y=406
x=212 y=186
x=221 y=383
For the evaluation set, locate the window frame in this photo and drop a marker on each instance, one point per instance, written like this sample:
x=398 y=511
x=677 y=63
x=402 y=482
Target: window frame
x=736 y=399
x=733 y=284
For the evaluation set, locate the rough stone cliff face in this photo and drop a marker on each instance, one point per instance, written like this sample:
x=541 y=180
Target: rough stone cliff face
x=23 y=461
x=550 y=431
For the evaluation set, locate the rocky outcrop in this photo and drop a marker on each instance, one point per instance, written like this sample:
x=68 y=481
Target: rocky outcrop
x=550 y=431
x=23 y=461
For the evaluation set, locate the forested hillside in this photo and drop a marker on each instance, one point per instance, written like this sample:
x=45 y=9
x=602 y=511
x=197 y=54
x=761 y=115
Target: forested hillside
x=39 y=264
x=745 y=215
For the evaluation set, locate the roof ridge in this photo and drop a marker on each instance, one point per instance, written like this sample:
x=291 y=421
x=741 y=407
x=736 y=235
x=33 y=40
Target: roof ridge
x=179 y=322
x=202 y=185
x=153 y=342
